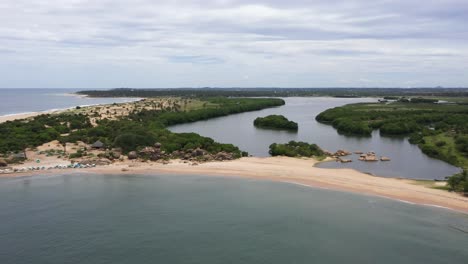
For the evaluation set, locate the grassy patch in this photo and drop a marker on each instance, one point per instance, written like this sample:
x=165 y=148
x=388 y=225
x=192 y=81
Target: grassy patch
x=439 y=185
x=445 y=146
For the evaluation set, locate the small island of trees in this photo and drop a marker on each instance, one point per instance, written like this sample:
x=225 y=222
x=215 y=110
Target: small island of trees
x=296 y=149
x=275 y=122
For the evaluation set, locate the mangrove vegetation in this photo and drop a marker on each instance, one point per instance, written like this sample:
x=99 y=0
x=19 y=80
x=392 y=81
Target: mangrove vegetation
x=440 y=130
x=296 y=149
x=275 y=122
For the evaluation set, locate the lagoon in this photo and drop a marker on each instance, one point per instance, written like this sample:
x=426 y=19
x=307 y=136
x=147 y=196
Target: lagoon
x=407 y=160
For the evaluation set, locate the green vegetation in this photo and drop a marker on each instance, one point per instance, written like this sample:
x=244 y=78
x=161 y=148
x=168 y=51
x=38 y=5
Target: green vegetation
x=139 y=129
x=459 y=182
x=418 y=100
x=296 y=149
x=454 y=93
x=440 y=130
x=20 y=134
x=276 y=122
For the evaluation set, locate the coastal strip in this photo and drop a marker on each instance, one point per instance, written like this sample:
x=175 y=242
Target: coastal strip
x=13 y=117
x=293 y=170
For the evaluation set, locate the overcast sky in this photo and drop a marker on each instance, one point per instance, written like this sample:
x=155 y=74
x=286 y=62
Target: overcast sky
x=229 y=43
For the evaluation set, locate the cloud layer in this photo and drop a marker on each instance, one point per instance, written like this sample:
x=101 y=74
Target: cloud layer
x=229 y=43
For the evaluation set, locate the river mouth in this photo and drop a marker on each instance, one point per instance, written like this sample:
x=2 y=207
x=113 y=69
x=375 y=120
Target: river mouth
x=407 y=160
x=205 y=219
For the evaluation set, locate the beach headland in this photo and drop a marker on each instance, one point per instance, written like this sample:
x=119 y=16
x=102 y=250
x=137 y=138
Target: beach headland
x=291 y=170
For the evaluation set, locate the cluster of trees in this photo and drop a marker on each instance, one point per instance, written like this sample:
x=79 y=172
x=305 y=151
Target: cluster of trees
x=225 y=106
x=349 y=127
x=423 y=100
x=459 y=182
x=395 y=118
x=128 y=133
x=20 y=134
x=422 y=122
x=275 y=121
x=461 y=141
x=296 y=149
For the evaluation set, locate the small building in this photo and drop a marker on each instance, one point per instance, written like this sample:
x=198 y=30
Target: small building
x=98 y=145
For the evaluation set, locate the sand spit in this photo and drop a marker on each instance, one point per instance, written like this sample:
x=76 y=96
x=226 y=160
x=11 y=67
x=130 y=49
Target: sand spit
x=292 y=170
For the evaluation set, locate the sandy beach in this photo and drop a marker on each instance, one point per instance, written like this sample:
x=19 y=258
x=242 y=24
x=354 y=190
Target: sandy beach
x=12 y=117
x=291 y=170
x=283 y=169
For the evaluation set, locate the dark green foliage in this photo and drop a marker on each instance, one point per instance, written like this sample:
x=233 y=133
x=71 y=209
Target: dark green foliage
x=276 y=122
x=459 y=182
x=419 y=121
x=423 y=100
x=416 y=138
x=399 y=128
x=226 y=107
x=339 y=119
x=138 y=130
x=20 y=134
x=431 y=151
x=296 y=149
x=461 y=142
x=357 y=128
x=130 y=141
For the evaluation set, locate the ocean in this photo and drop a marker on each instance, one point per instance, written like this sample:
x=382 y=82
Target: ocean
x=174 y=219
x=18 y=101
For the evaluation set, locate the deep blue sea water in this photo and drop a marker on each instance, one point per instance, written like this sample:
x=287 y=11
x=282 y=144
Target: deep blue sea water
x=205 y=219
x=15 y=101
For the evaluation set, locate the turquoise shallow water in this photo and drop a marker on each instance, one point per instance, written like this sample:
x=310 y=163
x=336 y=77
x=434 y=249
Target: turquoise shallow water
x=200 y=219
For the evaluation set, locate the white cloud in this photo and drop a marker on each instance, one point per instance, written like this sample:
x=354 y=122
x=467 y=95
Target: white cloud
x=218 y=43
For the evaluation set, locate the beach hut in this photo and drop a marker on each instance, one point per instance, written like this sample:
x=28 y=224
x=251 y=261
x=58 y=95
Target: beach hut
x=98 y=145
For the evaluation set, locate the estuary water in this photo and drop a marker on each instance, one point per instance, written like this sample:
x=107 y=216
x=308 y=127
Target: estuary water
x=206 y=219
x=18 y=101
x=407 y=160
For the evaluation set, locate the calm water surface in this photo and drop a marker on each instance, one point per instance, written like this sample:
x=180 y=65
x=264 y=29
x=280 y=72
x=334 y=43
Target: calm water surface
x=407 y=160
x=15 y=101
x=196 y=219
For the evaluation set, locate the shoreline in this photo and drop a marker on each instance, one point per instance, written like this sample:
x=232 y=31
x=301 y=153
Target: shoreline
x=288 y=170
x=12 y=117
x=25 y=115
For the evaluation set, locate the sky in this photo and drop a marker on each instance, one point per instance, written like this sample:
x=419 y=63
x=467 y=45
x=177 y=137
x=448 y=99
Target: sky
x=233 y=43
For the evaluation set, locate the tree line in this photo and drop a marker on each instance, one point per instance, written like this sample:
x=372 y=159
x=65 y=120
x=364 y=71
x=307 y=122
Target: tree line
x=139 y=129
x=439 y=130
x=277 y=92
